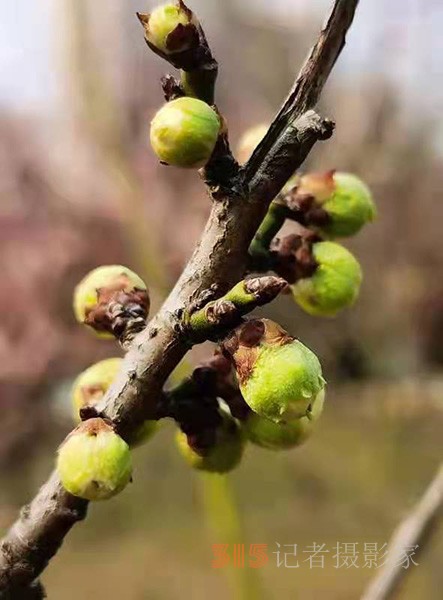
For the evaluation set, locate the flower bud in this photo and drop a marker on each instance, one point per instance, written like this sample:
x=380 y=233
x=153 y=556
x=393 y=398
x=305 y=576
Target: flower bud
x=222 y=455
x=278 y=376
x=90 y=387
x=335 y=283
x=281 y=436
x=250 y=140
x=104 y=287
x=93 y=462
x=344 y=197
x=184 y=133
x=171 y=28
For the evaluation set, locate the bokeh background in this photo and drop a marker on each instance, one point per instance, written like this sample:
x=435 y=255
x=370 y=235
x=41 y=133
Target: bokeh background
x=79 y=187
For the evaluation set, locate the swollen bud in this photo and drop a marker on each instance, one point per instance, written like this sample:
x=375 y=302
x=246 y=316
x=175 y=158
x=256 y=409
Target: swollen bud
x=90 y=387
x=93 y=462
x=184 y=133
x=278 y=376
x=220 y=456
x=107 y=296
x=171 y=28
x=249 y=141
x=344 y=197
x=283 y=436
x=335 y=283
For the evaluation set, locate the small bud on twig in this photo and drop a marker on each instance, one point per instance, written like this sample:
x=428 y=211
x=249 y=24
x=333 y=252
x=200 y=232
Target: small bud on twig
x=333 y=285
x=212 y=321
x=184 y=133
x=93 y=462
x=279 y=377
x=174 y=33
x=222 y=452
x=113 y=301
x=334 y=204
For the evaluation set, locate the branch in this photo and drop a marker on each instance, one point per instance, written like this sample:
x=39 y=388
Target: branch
x=218 y=263
x=309 y=84
x=415 y=530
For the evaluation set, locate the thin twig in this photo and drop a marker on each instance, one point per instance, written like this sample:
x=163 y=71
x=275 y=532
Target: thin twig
x=309 y=84
x=218 y=262
x=413 y=533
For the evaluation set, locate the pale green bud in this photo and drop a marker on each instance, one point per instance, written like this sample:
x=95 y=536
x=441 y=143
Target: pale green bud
x=93 y=462
x=99 y=287
x=334 y=285
x=184 y=133
x=281 y=436
x=171 y=28
x=346 y=199
x=223 y=456
x=278 y=376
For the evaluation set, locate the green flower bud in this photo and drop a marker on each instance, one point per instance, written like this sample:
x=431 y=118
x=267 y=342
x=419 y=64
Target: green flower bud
x=90 y=387
x=171 y=28
x=345 y=198
x=223 y=456
x=93 y=462
x=281 y=436
x=250 y=140
x=278 y=376
x=99 y=288
x=335 y=283
x=184 y=133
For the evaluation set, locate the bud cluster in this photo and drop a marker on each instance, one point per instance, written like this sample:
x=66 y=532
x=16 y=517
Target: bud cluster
x=278 y=391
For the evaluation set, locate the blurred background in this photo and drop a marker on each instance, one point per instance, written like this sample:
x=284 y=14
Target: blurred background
x=80 y=187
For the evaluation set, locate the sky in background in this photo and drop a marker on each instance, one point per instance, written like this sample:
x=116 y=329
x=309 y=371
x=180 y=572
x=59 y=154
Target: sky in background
x=399 y=37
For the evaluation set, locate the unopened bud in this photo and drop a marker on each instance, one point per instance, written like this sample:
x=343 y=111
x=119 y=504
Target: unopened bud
x=335 y=283
x=93 y=462
x=278 y=376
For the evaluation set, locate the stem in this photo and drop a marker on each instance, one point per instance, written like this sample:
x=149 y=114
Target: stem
x=415 y=530
x=309 y=84
x=223 y=521
x=200 y=83
x=271 y=225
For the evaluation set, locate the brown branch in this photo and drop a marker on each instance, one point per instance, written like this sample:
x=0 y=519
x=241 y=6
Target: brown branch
x=415 y=530
x=309 y=84
x=219 y=261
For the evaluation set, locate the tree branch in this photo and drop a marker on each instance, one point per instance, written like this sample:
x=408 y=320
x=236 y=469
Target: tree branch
x=415 y=530
x=218 y=263
x=309 y=84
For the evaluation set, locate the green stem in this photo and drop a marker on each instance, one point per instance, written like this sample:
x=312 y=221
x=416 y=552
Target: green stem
x=271 y=225
x=226 y=312
x=224 y=525
x=200 y=83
